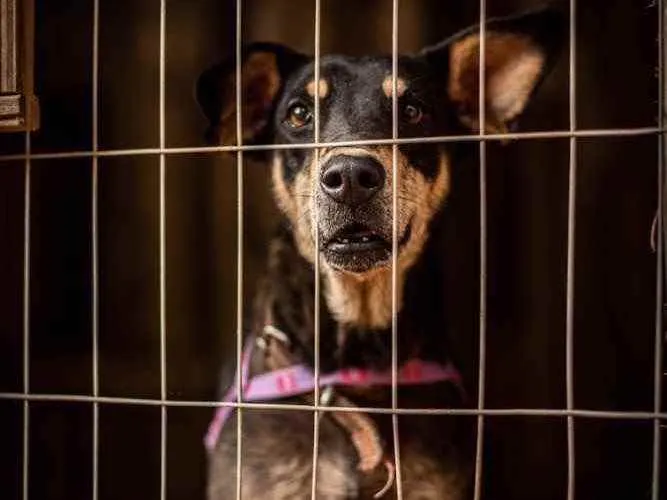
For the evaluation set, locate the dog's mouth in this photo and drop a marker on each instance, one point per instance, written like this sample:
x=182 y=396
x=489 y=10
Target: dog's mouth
x=359 y=248
x=357 y=238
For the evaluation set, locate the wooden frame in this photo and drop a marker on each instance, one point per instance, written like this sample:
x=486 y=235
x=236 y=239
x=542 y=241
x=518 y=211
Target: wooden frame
x=19 y=108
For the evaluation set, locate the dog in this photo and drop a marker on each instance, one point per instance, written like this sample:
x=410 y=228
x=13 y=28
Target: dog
x=338 y=201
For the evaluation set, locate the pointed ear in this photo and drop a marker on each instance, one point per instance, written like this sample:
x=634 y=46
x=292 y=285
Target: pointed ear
x=264 y=68
x=519 y=52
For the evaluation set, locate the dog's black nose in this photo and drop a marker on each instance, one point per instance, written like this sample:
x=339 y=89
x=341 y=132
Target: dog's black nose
x=352 y=180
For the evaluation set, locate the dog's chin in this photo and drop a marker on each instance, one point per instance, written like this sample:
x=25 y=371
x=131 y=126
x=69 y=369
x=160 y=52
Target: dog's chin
x=357 y=261
x=360 y=250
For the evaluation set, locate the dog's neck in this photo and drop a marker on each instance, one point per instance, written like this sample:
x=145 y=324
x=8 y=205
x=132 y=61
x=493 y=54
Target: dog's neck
x=364 y=302
x=355 y=315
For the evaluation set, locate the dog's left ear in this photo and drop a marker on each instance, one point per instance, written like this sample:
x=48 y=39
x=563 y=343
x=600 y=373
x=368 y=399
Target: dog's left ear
x=519 y=52
x=264 y=67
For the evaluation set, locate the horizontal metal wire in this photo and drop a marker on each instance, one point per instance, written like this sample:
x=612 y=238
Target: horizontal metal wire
x=537 y=412
x=551 y=134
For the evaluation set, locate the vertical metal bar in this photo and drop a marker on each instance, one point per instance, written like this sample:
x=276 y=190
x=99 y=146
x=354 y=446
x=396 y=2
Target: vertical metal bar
x=481 y=382
x=94 y=237
x=239 y=248
x=163 y=264
x=26 y=317
x=571 y=228
x=394 y=249
x=660 y=255
x=316 y=332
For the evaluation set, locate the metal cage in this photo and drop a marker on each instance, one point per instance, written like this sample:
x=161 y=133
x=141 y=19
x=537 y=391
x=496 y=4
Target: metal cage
x=95 y=398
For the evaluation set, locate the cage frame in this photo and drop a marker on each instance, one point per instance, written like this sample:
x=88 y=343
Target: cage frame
x=28 y=121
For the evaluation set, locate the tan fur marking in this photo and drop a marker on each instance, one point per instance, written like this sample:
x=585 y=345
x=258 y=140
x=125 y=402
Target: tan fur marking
x=296 y=201
x=363 y=302
x=284 y=198
x=322 y=90
x=513 y=66
x=388 y=86
x=345 y=150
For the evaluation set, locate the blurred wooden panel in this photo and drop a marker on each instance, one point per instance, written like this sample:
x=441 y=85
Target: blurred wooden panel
x=19 y=108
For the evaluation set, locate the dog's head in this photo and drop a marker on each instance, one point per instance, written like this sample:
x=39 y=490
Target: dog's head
x=342 y=195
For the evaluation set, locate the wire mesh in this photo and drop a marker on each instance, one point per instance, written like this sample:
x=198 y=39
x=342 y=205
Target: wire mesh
x=199 y=403
x=569 y=414
x=26 y=319
x=316 y=269
x=479 y=444
x=94 y=249
x=394 y=249
x=660 y=262
x=444 y=139
x=571 y=228
x=239 y=242
x=163 y=255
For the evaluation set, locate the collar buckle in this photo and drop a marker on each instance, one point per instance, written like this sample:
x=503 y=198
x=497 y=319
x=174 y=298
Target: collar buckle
x=271 y=332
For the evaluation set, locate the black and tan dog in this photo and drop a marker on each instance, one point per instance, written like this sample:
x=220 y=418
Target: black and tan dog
x=344 y=199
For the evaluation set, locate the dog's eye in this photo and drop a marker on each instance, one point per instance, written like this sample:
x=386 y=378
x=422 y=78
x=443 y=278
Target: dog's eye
x=298 y=116
x=413 y=113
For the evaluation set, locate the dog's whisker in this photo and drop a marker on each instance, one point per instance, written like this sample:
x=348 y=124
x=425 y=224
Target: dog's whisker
x=408 y=200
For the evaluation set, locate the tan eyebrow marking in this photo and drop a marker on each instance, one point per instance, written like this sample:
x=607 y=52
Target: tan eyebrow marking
x=322 y=91
x=387 y=86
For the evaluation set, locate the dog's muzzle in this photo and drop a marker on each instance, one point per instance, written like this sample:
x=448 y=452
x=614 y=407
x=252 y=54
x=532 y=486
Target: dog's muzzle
x=355 y=228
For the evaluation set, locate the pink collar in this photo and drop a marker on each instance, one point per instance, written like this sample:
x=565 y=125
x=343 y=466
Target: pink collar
x=299 y=379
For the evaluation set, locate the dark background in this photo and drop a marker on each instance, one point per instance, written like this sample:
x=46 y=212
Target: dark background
x=525 y=457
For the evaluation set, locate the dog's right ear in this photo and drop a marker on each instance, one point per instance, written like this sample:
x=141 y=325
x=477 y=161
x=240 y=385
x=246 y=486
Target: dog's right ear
x=519 y=52
x=264 y=68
